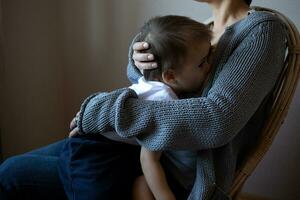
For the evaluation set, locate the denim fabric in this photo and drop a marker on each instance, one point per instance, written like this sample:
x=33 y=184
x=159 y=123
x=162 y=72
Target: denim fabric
x=32 y=175
x=99 y=168
x=94 y=167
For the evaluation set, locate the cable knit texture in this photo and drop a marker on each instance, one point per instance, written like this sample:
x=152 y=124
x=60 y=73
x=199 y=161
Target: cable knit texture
x=248 y=60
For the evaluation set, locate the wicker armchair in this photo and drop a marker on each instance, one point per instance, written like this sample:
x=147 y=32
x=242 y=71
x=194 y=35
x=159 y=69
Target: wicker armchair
x=282 y=95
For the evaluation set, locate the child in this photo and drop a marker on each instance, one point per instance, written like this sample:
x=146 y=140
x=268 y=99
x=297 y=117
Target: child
x=181 y=47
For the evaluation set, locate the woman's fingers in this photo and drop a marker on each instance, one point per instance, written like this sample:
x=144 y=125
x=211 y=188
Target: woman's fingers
x=143 y=61
x=145 y=65
x=139 y=46
x=74 y=132
x=142 y=57
x=73 y=123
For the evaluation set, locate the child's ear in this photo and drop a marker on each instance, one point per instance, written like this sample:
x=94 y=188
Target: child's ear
x=169 y=77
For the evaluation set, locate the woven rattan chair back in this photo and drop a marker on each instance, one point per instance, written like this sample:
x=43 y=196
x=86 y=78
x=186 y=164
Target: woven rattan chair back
x=282 y=96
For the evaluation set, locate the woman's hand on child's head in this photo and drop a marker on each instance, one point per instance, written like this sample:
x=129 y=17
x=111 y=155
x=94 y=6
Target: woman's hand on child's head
x=143 y=60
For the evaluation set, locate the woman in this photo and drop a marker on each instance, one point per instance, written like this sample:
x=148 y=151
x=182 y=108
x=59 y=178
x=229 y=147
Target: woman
x=216 y=128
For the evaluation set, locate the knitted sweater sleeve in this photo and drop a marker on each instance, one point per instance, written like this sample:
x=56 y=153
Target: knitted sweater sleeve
x=246 y=77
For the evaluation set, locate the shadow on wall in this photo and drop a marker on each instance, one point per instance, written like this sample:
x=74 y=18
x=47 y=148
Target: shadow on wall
x=57 y=52
x=95 y=36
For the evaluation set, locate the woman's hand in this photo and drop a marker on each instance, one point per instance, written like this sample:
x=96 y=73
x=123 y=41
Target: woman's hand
x=73 y=126
x=74 y=132
x=143 y=60
x=73 y=123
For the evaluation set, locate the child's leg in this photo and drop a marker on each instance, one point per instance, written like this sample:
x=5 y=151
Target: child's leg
x=140 y=190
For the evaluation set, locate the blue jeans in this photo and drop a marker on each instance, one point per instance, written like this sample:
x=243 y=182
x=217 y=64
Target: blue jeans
x=93 y=167
x=35 y=175
x=32 y=175
x=45 y=173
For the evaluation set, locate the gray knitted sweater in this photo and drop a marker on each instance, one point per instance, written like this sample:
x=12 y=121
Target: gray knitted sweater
x=221 y=124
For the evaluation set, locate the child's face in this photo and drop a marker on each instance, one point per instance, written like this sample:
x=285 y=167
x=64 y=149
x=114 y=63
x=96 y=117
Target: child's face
x=191 y=76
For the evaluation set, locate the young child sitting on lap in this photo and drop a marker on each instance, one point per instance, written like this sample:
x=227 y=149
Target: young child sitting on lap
x=181 y=48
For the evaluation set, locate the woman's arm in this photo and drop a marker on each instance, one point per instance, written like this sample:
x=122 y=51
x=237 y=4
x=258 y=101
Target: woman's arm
x=155 y=175
x=199 y=123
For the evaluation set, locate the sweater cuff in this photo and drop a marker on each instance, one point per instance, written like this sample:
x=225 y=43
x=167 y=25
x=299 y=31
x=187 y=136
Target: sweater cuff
x=99 y=112
x=119 y=106
x=81 y=112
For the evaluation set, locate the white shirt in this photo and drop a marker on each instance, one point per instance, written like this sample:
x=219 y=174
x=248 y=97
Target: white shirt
x=153 y=90
x=147 y=90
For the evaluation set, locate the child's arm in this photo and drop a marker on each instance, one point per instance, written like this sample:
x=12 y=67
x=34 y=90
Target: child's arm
x=141 y=190
x=155 y=175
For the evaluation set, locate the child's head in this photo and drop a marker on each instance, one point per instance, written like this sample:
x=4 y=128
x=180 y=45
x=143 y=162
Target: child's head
x=180 y=46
